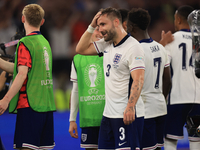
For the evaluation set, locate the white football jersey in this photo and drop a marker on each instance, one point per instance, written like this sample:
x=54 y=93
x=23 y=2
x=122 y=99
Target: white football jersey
x=119 y=61
x=185 y=85
x=156 y=59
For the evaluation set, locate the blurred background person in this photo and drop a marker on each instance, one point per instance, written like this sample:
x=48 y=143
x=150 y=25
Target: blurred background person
x=31 y=94
x=157 y=80
x=88 y=96
x=184 y=98
x=139 y=120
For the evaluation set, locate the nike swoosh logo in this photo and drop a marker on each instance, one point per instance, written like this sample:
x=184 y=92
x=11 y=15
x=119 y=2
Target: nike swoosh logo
x=120 y=144
x=105 y=51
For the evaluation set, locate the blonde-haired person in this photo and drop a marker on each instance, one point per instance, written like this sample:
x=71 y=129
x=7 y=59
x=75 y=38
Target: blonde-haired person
x=31 y=94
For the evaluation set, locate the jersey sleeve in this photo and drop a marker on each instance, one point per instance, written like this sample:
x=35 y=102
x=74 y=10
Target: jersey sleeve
x=168 y=50
x=167 y=63
x=24 y=57
x=136 y=57
x=165 y=56
x=100 y=45
x=73 y=76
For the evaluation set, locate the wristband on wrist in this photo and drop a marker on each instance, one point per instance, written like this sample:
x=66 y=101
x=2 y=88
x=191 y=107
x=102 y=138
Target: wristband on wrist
x=90 y=29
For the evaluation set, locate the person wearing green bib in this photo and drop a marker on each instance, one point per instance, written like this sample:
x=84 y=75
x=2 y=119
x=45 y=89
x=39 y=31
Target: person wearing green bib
x=31 y=94
x=88 y=95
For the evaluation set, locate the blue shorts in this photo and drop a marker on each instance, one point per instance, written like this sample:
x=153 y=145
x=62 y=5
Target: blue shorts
x=89 y=137
x=34 y=130
x=153 y=133
x=114 y=134
x=176 y=119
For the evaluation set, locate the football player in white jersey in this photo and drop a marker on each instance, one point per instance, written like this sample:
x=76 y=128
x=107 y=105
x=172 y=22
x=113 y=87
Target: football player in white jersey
x=123 y=55
x=157 y=80
x=139 y=120
x=184 y=99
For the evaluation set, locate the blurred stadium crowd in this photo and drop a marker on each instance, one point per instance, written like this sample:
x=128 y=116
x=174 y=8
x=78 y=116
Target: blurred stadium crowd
x=66 y=21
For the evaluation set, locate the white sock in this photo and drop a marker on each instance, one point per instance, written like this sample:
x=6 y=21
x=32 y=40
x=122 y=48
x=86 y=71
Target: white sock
x=170 y=144
x=194 y=145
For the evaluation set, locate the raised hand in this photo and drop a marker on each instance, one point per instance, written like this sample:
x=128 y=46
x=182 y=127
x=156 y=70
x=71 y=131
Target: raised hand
x=166 y=38
x=94 y=20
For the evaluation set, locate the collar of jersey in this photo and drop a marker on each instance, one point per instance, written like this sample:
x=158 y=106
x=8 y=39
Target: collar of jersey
x=122 y=41
x=34 y=33
x=146 y=40
x=186 y=30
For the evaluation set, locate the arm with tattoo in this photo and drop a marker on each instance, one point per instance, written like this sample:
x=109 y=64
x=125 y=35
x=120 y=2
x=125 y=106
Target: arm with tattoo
x=138 y=79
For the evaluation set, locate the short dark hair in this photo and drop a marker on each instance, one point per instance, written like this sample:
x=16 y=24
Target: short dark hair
x=139 y=17
x=184 y=11
x=124 y=14
x=111 y=12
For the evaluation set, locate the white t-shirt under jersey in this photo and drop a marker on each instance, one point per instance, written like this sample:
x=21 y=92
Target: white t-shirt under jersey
x=119 y=61
x=156 y=59
x=185 y=85
x=73 y=76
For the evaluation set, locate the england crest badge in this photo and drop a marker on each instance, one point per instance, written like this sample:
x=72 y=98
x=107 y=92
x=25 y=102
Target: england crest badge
x=83 y=137
x=116 y=60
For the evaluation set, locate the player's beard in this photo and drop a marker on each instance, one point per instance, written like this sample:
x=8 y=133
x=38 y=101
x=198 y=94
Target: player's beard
x=110 y=35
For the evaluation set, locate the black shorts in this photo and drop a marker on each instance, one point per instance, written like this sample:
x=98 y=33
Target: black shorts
x=176 y=119
x=153 y=132
x=34 y=130
x=89 y=137
x=114 y=134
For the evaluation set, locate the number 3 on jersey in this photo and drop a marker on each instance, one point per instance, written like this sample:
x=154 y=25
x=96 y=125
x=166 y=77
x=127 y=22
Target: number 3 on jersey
x=108 y=72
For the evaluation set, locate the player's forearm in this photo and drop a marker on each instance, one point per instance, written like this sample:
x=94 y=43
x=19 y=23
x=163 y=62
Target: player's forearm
x=136 y=87
x=84 y=42
x=166 y=81
x=135 y=91
x=84 y=45
x=2 y=79
x=6 y=66
x=166 y=87
x=16 y=86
